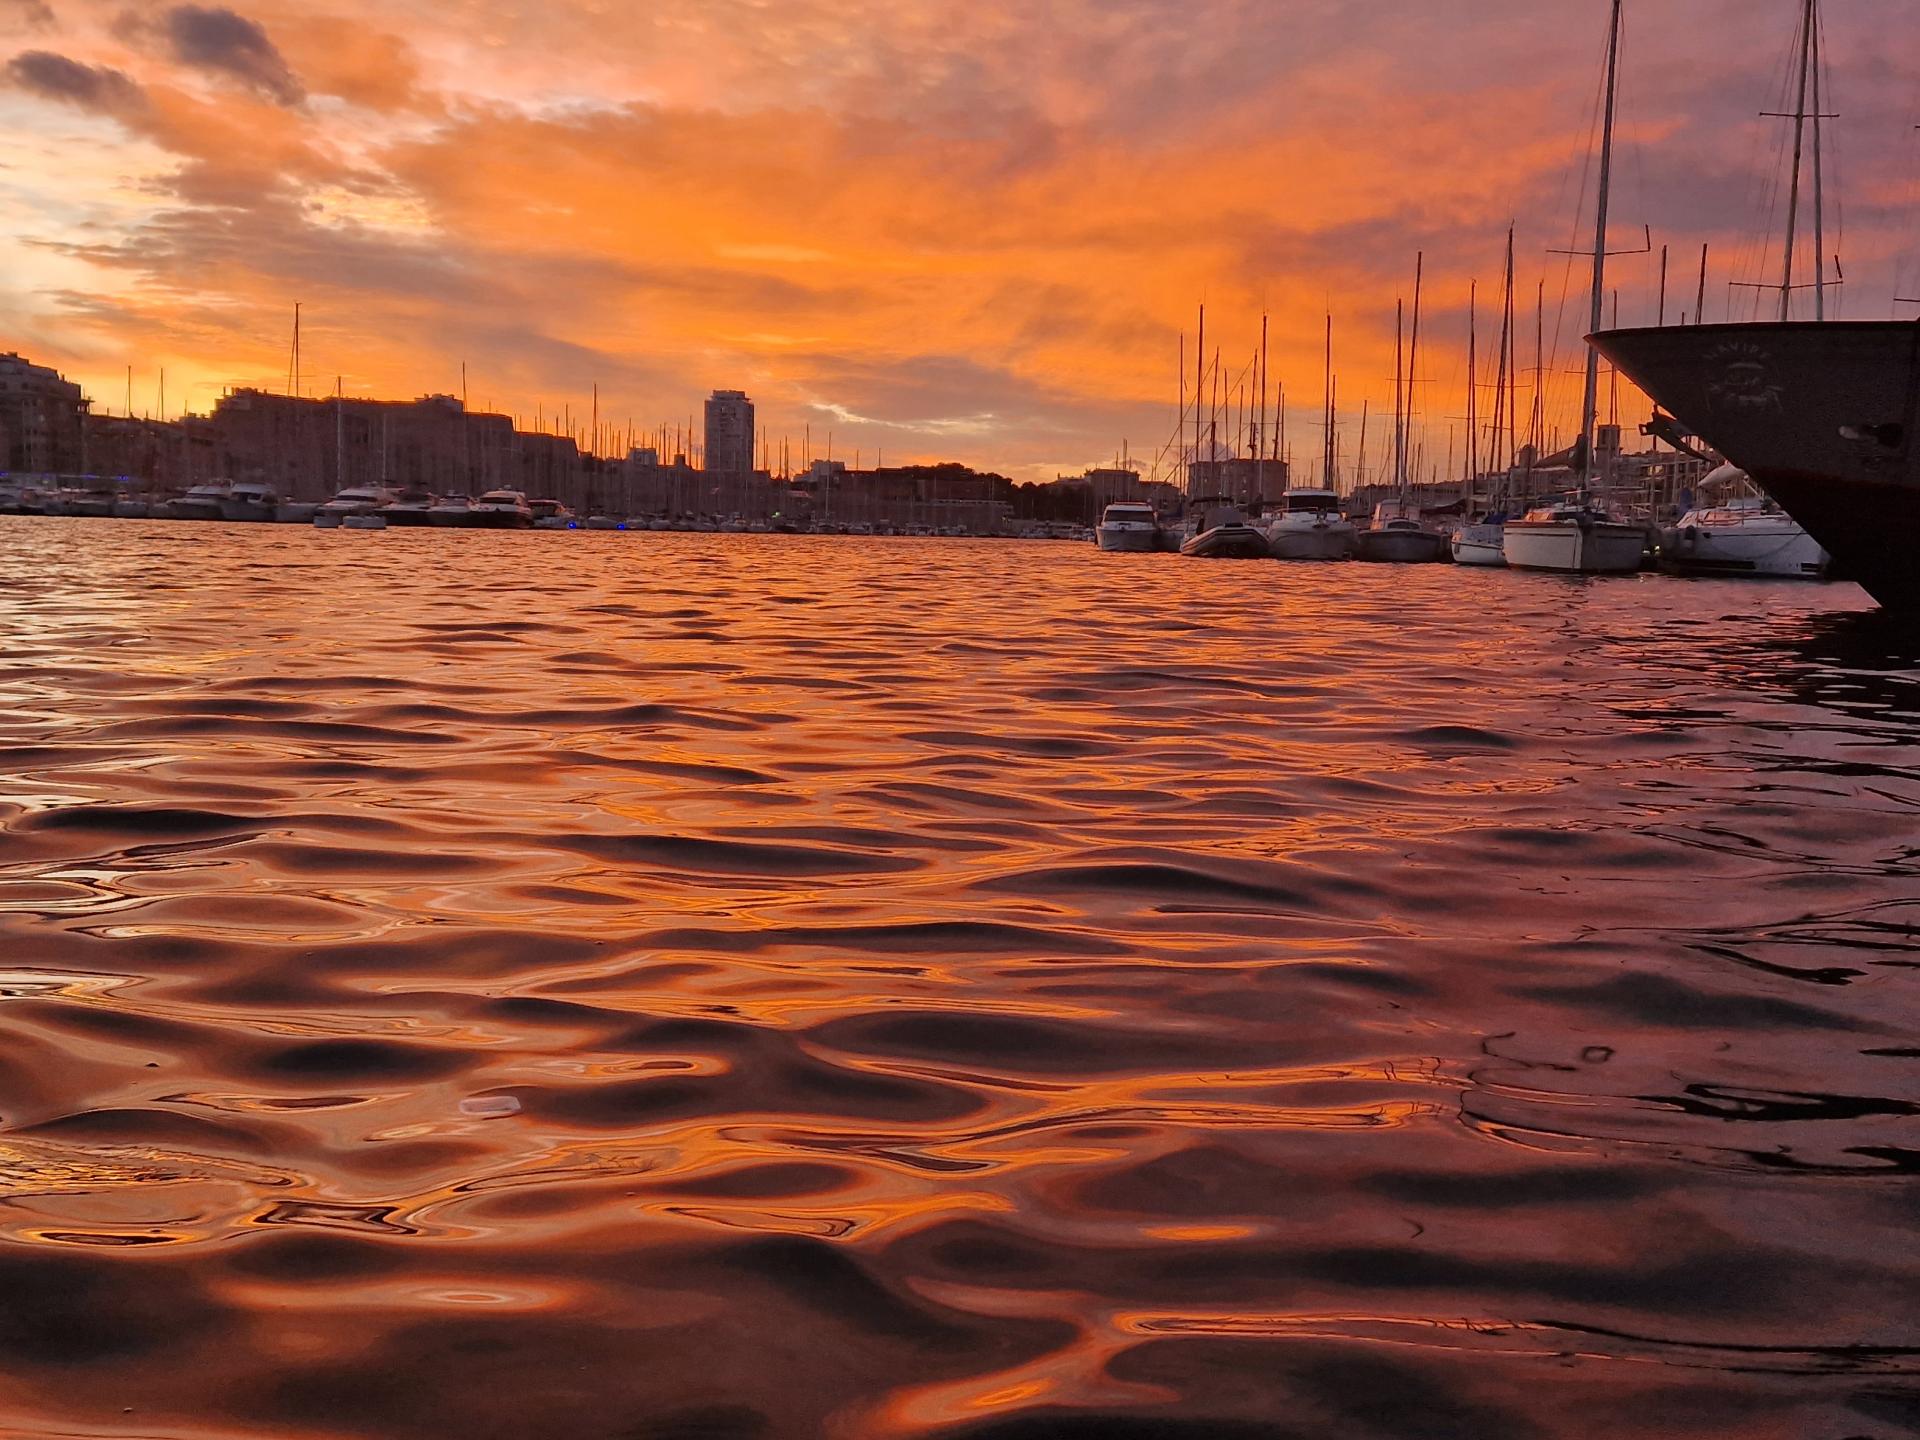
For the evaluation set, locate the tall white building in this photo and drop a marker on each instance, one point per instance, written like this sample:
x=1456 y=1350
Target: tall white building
x=729 y=432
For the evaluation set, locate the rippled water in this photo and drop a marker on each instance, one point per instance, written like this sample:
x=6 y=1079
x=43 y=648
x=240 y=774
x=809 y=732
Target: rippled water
x=694 y=987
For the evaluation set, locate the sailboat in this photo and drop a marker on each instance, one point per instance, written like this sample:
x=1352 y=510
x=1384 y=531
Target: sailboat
x=1578 y=534
x=1310 y=525
x=1397 y=535
x=1483 y=541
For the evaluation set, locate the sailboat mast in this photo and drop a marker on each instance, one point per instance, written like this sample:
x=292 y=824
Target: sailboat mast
x=1260 y=427
x=1399 y=430
x=1326 y=411
x=1819 y=205
x=1591 y=398
x=1473 y=381
x=1199 y=385
x=1360 y=461
x=1413 y=342
x=1799 y=137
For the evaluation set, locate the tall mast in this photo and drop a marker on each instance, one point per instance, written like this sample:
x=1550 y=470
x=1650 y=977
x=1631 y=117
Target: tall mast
x=1473 y=380
x=1360 y=461
x=1399 y=430
x=1799 y=135
x=1819 y=205
x=1326 y=412
x=1513 y=364
x=1413 y=341
x=1260 y=426
x=1199 y=385
x=1591 y=397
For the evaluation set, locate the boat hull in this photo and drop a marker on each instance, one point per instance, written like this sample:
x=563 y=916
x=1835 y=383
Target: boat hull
x=194 y=510
x=406 y=516
x=1311 y=542
x=1227 y=542
x=1781 y=551
x=1573 y=548
x=1483 y=545
x=248 y=510
x=1823 y=417
x=1400 y=547
x=497 y=520
x=1127 y=541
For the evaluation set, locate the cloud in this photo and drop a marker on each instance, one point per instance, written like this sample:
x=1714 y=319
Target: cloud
x=97 y=88
x=29 y=15
x=211 y=37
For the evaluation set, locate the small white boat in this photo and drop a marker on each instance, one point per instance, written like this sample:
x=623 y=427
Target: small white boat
x=1574 y=537
x=552 y=515
x=1482 y=544
x=1743 y=535
x=201 y=502
x=1310 y=526
x=501 y=510
x=1398 y=537
x=249 y=500
x=295 y=512
x=327 y=519
x=1128 y=526
x=356 y=500
x=363 y=521
x=604 y=522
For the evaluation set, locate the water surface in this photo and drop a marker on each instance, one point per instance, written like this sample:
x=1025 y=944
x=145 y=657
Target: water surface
x=673 y=986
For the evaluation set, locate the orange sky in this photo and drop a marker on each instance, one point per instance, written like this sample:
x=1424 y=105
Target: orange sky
x=941 y=229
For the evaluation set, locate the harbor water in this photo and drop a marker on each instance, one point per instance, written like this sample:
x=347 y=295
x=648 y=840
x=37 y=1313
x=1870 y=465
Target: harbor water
x=687 y=987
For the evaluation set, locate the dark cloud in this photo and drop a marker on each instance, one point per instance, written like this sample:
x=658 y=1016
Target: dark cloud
x=211 y=37
x=91 y=87
x=27 y=15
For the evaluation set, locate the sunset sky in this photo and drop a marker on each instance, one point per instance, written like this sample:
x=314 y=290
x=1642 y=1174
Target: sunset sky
x=939 y=229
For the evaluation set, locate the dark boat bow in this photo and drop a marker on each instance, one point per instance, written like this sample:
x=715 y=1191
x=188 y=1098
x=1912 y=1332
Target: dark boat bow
x=1822 y=414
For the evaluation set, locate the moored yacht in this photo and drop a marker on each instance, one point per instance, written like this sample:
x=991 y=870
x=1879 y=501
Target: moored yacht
x=1310 y=526
x=1576 y=536
x=201 y=502
x=552 y=515
x=1749 y=536
x=1481 y=544
x=501 y=510
x=354 y=500
x=413 y=507
x=1399 y=537
x=1128 y=525
x=451 y=510
x=249 y=500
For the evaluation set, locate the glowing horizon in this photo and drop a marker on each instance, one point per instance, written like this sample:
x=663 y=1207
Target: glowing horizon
x=941 y=231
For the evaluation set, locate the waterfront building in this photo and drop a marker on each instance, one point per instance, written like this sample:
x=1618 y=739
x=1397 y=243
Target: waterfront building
x=43 y=416
x=730 y=433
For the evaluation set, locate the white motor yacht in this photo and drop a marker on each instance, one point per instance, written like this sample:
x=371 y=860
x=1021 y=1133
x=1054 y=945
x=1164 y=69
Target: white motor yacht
x=201 y=502
x=1310 y=526
x=1576 y=537
x=501 y=510
x=1742 y=535
x=1128 y=525
x=1399 y=537
x=250 y=500
x=552 y=515
x=354 y=500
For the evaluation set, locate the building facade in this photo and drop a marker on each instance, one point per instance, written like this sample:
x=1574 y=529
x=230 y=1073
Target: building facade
x=43 y=417
x=730 y=433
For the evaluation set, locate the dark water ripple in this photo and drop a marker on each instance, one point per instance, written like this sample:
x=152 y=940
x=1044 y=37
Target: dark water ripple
x=693 y=986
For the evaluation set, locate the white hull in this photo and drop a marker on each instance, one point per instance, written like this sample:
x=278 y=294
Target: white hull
x=1774 y=547
x=1311 y=542
x=1480 y=545
x=1596 y=548
x=1131 y=539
